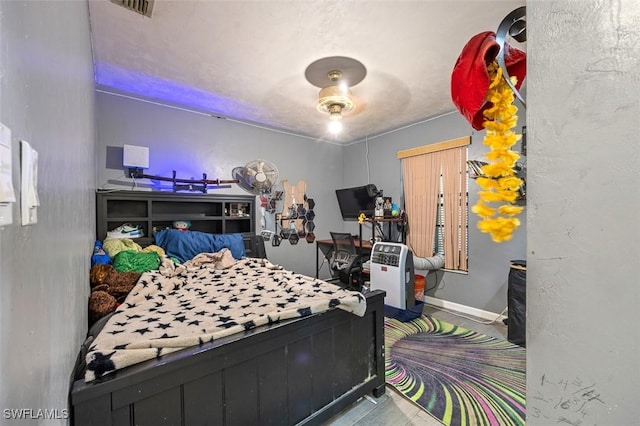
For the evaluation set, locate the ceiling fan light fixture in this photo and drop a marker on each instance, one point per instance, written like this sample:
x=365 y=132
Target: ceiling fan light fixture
x=335 y=126
x=335 y=112
x=333 y=70
x=333 y=97
x=334 y=75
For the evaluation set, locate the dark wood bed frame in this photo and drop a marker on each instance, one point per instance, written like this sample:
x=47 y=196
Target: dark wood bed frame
x=301 y=371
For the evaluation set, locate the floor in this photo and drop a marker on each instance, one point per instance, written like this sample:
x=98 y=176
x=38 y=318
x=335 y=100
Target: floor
x=392 y=408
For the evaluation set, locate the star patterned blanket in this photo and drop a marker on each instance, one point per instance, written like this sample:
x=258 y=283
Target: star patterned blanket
x=166 y=312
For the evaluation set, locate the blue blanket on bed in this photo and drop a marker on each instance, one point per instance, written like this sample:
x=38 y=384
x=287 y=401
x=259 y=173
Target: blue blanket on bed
x=185 y=245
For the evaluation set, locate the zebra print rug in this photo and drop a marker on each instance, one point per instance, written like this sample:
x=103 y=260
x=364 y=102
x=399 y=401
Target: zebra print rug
x=459 y=376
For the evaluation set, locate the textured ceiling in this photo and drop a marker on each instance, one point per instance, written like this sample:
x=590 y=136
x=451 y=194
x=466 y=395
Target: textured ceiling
x=246 y=60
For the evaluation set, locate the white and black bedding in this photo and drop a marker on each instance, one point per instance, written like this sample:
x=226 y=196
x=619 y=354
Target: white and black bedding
x=297 y=371
x=205 y=299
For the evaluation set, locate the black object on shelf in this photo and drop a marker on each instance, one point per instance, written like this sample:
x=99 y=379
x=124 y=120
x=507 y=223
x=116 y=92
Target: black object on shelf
x=517 y=302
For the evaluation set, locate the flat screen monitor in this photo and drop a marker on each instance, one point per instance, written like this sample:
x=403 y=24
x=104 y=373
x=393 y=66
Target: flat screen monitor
x=353 y=201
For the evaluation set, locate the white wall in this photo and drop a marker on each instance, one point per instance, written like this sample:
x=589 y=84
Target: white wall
x=46 y=98
x=584 y=196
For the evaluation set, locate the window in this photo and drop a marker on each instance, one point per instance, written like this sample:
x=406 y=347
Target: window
x=435 y=193
x=440 y=217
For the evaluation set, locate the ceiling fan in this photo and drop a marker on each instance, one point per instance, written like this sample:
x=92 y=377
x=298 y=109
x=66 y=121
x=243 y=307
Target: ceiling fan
x=256 y=177
x=335 y=76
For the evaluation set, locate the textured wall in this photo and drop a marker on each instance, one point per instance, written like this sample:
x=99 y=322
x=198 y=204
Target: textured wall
x=47 y=98
x=193 y=144
x=485 y=287
x=584 y=196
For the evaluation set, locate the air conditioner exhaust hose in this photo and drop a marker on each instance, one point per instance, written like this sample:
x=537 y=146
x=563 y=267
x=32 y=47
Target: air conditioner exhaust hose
x=428 y=263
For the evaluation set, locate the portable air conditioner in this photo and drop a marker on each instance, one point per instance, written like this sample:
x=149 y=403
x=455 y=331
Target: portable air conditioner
x=392 y=271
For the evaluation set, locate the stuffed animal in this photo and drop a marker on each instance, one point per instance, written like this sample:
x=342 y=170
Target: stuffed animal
x=181 y=225
x=98 y=274
x=109 y=288
x=99 y=256
x=101 y=304
x=120 y=284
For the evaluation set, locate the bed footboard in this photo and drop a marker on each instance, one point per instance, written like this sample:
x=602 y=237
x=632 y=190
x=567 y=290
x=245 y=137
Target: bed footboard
x=300 y=371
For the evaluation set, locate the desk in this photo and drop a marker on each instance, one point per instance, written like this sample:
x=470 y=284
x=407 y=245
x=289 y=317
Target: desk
x=326 y=248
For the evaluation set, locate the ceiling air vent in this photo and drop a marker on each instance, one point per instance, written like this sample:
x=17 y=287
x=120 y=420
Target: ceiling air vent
x=143 y=7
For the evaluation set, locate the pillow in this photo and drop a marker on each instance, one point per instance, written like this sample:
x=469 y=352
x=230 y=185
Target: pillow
x=186 y=245
x=233 y=242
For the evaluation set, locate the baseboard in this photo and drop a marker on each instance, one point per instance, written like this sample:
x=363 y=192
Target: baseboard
x=463 y=309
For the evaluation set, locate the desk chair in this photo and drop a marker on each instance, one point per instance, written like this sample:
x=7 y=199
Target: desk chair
x=346 y=263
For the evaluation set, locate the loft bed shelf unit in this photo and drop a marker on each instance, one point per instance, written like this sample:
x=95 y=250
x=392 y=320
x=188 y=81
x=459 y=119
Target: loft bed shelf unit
x=157 y=210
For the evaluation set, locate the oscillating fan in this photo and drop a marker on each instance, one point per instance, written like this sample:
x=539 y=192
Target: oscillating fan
x=256 y=177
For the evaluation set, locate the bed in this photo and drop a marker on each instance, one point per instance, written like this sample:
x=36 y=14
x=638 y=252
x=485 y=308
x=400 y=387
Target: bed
x=300 y=370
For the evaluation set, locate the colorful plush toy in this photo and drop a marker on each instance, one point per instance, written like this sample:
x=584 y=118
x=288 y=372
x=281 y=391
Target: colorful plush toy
x=181 y=225
x=395 y=210
x=99 y=257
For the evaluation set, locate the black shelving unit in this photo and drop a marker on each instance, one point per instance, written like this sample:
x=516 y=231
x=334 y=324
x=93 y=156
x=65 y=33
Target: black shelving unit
x=153 y=211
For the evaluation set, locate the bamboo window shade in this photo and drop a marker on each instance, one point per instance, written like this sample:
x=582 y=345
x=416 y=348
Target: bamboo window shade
x=423 y=169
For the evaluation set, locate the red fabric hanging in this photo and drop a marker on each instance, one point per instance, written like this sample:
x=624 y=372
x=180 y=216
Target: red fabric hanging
x=470 y=78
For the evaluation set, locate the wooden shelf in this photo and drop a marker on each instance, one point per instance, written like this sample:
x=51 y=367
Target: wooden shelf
x=384 y=219
x=388 y=221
